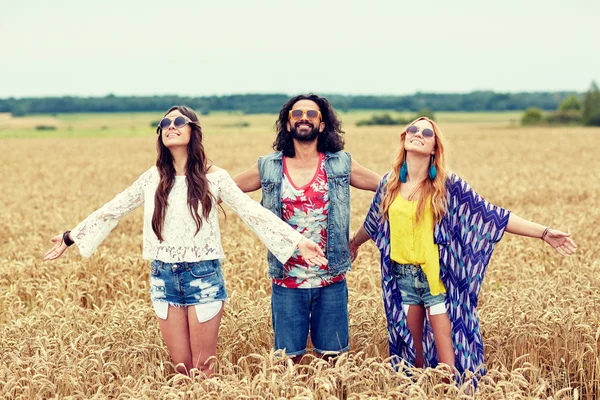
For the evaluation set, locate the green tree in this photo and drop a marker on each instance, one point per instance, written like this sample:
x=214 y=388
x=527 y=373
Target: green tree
x=382 y=119
x=570 y=103
x=594 y=120
x=568 y=113
x=569 y=117
x=591 y=106
x=20 y=110
x=532 y=116
x=378 y=119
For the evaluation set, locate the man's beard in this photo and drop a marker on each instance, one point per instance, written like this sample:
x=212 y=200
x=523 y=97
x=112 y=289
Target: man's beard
x=305 y=136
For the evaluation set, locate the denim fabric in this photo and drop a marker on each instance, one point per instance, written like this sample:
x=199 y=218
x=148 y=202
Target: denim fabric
x=187 y=283
x=322 y=311
x=414 y=287
x=337 y=167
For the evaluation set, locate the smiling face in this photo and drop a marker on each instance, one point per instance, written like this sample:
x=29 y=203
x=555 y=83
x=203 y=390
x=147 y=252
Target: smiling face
x=174 y=136
x=304 y=128
x=416 y=142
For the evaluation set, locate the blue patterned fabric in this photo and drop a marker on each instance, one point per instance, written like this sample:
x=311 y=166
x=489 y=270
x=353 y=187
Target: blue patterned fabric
x=466 y=237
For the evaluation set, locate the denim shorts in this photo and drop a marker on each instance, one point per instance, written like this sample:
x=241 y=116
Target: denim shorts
x=414 y=287
x=321 y=311
x=187 y=283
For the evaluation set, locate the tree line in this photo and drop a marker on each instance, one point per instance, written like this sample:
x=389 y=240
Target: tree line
x=571 y=111
x=271 y=103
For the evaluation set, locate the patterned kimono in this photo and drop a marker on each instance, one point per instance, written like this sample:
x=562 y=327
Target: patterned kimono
x=465 y=237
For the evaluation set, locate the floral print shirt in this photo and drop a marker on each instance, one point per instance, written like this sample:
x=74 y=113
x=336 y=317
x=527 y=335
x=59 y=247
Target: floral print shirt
x=305 y=209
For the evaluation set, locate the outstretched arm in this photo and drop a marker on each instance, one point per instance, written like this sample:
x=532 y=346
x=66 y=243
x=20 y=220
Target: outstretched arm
x=59 y=247
x=90 y=232
x=280 y=238
x=249 y=180
x=363 y=178
x=560 y=241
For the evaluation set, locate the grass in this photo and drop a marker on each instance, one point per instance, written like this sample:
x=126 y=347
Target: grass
x=82 y=328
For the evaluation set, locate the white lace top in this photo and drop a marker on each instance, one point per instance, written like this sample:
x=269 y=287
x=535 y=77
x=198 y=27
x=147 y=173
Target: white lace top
x=180 y=243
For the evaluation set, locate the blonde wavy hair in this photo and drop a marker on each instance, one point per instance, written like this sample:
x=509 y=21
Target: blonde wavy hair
x=426 y=189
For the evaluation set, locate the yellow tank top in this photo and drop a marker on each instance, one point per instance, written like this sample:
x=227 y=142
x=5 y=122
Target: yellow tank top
x=413 y=244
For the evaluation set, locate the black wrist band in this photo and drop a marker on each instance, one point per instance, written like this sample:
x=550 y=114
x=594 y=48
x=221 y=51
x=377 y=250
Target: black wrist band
x=67 y=239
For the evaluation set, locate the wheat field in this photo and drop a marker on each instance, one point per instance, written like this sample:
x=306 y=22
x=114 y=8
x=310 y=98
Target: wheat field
x=85 y=328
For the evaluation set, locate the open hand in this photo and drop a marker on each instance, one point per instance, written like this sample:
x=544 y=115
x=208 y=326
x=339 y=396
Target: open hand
x=561 y=242
x=56 y=250
x=312 y=253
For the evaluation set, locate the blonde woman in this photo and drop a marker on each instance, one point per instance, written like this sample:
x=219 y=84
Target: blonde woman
x=182 y=237
x=436 y=236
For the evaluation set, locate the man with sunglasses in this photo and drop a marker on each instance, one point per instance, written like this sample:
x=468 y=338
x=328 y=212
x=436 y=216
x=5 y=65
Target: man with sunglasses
x=306 y=182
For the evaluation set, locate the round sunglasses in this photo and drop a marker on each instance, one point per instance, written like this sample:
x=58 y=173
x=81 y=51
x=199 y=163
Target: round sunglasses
x=179 y=122
x=413 y=129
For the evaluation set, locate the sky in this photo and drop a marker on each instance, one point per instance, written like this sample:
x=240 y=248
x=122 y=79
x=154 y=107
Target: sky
x=376 y=47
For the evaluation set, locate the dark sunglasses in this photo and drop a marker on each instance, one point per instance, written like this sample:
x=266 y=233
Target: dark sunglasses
x=179 y=122
x=311 y=114
x=428 y=133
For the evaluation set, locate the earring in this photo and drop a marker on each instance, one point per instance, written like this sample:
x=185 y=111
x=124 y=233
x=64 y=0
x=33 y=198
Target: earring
x=403 y=171
x=432 y=169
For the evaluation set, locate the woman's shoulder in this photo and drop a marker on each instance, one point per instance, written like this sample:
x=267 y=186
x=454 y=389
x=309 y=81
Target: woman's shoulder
x=149 y=175
x=217 y=176
x=214 y=171
x=385 y=178
x=453 y=177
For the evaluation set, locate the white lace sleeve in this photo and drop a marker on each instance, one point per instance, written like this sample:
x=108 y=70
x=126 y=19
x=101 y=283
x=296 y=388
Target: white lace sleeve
x=90 y=232
x=281 y=239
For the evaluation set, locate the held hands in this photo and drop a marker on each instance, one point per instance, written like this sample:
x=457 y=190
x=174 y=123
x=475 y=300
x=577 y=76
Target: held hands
x=353 y=249
x=56 y=250
x=312 y=253
x=560 y=241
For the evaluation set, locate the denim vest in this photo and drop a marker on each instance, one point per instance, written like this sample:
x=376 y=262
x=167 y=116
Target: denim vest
x=337 y=167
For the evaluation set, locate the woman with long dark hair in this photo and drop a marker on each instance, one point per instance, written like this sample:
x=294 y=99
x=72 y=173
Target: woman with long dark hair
x=436 y=237
x=182 y=238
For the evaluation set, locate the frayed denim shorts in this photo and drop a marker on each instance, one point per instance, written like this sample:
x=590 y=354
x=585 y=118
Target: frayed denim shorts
x=186 y=284
x=414 y=287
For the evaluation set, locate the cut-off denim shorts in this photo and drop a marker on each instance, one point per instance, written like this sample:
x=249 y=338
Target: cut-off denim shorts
x=414 y=287
x=184 y=284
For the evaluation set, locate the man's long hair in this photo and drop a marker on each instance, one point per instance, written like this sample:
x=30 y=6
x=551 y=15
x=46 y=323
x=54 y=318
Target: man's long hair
x=195 y=171
x=330 y=140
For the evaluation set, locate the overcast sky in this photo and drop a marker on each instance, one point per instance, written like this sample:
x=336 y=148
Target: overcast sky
x=142 y=47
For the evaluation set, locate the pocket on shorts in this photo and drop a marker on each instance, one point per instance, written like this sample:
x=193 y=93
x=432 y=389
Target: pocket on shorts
x=155 y=268
x=406 y=283
x=204 y=269
x=158 y=289
x=398 y=271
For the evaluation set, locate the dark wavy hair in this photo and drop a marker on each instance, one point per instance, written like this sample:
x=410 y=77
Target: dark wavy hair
x=330 y=140
x=196 y=167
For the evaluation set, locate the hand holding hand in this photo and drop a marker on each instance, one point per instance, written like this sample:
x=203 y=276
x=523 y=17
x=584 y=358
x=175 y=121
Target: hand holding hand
x=353 y=249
